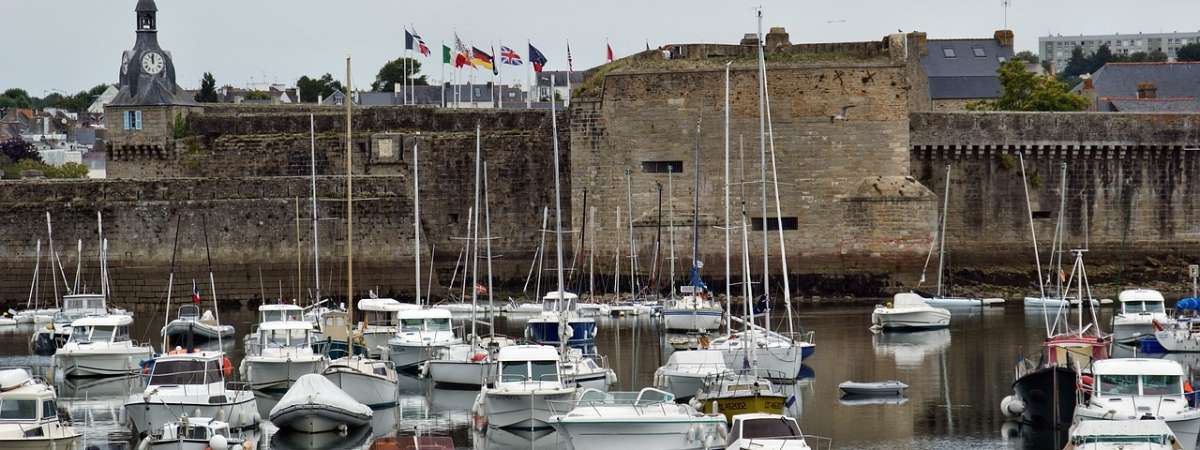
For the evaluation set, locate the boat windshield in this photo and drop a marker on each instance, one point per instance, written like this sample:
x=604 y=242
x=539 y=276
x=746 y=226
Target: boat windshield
x=543 y=370
x=518 y=371
x=1146 y=306
x=412 y=325
x=184 y=372
x=1125 y=439
x=1118 y=385
x=379 y=318
x=15 y=409
x=442 y=324
x=197 y=432
x=770 y=428
x=285 y=338
x=1161 y=385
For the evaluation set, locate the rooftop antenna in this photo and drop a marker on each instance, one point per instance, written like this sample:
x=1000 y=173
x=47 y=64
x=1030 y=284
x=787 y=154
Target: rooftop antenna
x=1007 y=4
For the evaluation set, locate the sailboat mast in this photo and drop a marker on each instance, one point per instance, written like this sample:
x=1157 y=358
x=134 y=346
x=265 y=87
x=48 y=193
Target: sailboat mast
x=671 y=224
x=696 y=215
x=762 y=167
x=942 y=233
x=728 y=285
x=299 y=253
x=475 y=235
x=487 y=240
x=783 y=265
x=312 y=136
x=417 y=222
x=349 y=99
x=633 y=285
x=558 y=225
x=78 y=264
x=50 y=239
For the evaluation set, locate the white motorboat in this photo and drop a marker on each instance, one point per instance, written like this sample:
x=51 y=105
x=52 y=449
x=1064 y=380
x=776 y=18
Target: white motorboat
x=909 y=311
x=1051 y=302
x=369 y=381
x=741 y=392
x=100 y=346
x=694 y=311
x=315 y=405
x=766 y=432
x=647 y=419
x=1140 y=310
x=379 y=315
x=962 y=302
x=422 y=335
x=274 y=312
x=29 y=414
x=1138 y=388
x=544 y=329
x=686 y=372
x=35 y=316
x=193 y=433
x=890 y=388
x=1122 y=435
x=524 y=308
x=191 y=382
x=201 y=327
x=467 y=364
x=528 y=379
x=587 y=371
x=1182 y=337
x=49 y=338
x=283 y=354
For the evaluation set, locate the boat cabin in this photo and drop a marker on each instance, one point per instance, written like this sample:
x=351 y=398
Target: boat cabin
x=195 y=429
x=555 y=301
x=424 y=320
x=1121 y=434
x=380 y=312
x=905 y=300
x=190 y=369
x=285 y=335
x=772 y=427
x=97 y=329
x=528 y=363
x=24 y=399
x=81 y=305
x=1138 y=301
x=1137 y=377
x=279 y=312
x=1075 y=350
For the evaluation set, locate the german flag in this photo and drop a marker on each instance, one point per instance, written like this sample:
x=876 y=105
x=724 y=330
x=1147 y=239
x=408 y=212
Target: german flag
x=480 y=58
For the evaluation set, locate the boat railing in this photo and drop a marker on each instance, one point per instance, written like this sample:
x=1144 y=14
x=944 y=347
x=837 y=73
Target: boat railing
x=524 y=380
x=638 y=402
x=820 y=442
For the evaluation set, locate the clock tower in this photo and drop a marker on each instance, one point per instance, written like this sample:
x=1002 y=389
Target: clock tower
x=141 y=117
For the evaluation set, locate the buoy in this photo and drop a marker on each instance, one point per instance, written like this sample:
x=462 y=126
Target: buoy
x=1011 y=406
x=218 y=442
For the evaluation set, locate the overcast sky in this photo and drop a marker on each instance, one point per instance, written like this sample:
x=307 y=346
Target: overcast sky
x=71 y=45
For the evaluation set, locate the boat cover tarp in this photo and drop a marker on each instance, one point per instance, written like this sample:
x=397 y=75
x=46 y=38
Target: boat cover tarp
x=316 y=389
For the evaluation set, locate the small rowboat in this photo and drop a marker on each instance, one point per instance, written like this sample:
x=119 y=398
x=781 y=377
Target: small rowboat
x=890 y=388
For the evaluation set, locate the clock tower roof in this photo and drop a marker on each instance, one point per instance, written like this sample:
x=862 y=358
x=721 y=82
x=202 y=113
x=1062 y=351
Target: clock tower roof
x=147 y=71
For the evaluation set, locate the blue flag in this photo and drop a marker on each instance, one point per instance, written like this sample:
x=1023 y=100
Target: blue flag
x=408 y=40
x=537 y=59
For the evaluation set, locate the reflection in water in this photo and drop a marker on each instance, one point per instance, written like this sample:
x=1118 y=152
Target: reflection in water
x=358 y=438
x=501 y=439
x=909 y=349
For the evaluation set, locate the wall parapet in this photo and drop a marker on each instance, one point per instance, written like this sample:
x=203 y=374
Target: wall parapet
x=1053 y=130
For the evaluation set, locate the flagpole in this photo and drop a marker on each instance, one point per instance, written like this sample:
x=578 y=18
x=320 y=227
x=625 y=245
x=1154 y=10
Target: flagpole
x=529 y=79
x=496 y=75
x=442 y=77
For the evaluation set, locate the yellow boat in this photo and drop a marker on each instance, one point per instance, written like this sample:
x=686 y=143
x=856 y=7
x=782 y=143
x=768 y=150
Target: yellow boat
x=733 y=394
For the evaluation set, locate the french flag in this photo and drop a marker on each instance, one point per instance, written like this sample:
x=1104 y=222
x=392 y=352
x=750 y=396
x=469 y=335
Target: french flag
x=195 y=293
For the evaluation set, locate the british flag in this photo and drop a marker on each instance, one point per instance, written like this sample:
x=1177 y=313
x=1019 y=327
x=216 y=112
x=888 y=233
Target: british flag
x=509 y=56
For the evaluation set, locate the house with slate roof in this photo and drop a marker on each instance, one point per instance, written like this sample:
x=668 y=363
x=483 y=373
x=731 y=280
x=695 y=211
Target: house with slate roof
x=1144 y=87
x=961 y=71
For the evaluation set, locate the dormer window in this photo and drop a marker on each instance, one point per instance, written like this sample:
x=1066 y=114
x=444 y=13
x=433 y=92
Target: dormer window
x=948 y=52
x=978 y=51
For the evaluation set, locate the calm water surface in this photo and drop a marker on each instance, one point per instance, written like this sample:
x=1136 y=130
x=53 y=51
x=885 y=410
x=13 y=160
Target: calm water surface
x=957 y=378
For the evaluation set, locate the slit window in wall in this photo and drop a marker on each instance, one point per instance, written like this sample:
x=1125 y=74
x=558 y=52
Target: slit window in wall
x=454 y=218
x=772 y=223
x=662 y=167
x=1041 y=214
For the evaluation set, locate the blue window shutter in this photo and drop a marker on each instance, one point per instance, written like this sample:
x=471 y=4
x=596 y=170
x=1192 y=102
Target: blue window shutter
x=125 y=119
x=138 y=119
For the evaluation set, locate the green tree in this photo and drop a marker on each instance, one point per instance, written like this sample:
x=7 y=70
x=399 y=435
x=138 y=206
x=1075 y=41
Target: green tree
x=1102 y=56
x=71 y=170
x=395 y=71
x=15 y=98
x=1157 y=56
x=208 y=89
x=1027 y=56
x=1190 y=52
x=257 y=95
x=1026 y=91
x=1077 y=65
x=17 y=149
x=312 y=89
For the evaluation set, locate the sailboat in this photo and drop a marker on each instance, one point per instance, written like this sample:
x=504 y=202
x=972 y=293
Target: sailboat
x=369 y=381
x=940 y=298
x=695 y=310
x=529 y=377
x=777 y=352
x=33 y=312
x=1045 y=390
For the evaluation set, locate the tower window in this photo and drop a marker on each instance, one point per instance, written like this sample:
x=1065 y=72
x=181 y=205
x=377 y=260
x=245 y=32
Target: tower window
x=772 y=223
x=132 y=120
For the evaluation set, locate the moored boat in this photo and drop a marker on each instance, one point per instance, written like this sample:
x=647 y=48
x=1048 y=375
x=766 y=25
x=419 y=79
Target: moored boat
x=193 y=433
x=647 y=419
x=421 y=335
x=100 y=346
x=528 y=378
x=29 y=416
x=315 y=405
x=909 y=311
x=1138 y=388
x=1140 y=310
x=767 y=432
x=191 y=323
x=686 y=372
x=193 y=382
x=283 y=353
x=1122 y=435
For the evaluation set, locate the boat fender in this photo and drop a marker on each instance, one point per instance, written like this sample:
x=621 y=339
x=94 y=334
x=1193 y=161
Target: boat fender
x=1085 y=382
x=1011 y=406
x=227 y=367
x=478 y=357
x=218 y=442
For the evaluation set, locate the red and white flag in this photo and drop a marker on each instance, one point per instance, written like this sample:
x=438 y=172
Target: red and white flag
x=610 y=55
x=195 y=293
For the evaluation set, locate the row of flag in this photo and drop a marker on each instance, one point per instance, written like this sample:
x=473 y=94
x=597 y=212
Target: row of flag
x=463 y=56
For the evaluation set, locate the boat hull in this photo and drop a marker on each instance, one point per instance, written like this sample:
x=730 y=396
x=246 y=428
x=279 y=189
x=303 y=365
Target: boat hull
x=40 y=444
x=276 y=375
x=409 y=357
x=1185 y=427
x=520 y=409
x=546 y=331
x=239 y=409
x=376 y=342
x=643 y=433
x=315 y=418
x=683 y=386
x=371 y=391
x=75 y=364
x=1178 y=341
x=911 y=320
x=1049 y=396
x=744 y=404
x=785 y=360
x=1127 y=331
x=177 y=331
x=460 y=373
x=692 y=319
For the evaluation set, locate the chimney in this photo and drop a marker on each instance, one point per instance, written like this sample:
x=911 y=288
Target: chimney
x=1147 y=89
x=1089 y=92
x=777 y=37
x=1004 y=38
x=748 y=39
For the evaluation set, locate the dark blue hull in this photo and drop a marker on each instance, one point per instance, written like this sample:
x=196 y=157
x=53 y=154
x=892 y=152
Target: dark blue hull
x=546 y=332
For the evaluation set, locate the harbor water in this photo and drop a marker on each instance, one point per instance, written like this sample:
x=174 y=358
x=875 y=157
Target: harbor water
x=957 y=378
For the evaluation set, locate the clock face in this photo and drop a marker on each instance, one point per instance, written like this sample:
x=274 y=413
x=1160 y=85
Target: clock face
x=153 y=63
